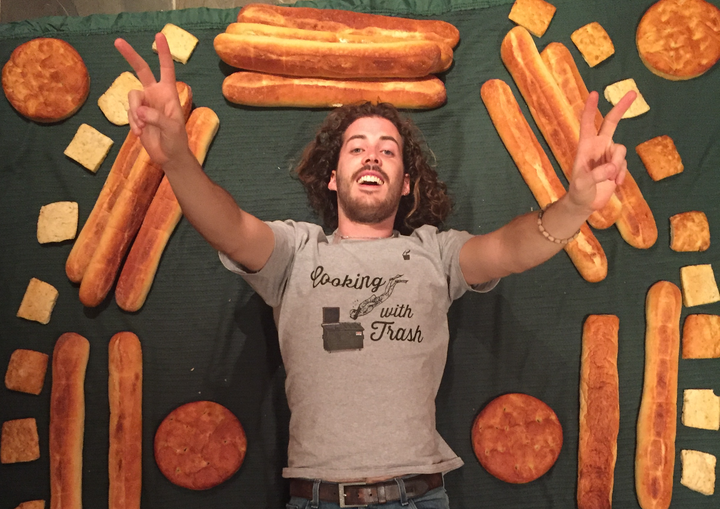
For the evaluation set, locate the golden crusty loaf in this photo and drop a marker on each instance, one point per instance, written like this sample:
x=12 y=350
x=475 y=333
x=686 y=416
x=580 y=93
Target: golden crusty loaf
x=160 y=220
x=125 y=397
x=551 y=110
x=656 y=425
x=340 y=21
x=585 y=252
x=599 y=412
x=67 y=420
x=319 y=59
x=259 y=89
x=125 y=220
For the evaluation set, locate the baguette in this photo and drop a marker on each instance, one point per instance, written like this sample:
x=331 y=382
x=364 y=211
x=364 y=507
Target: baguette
x=599 y=412
x=124 y=221
x=125 y=396
x=257 y=89
x=89 y=237
x=635 y=223
x=257 y=29
x=656 y=425
x=334 y=20
x=162 y=216
x=67 y=420
x=551 y=110
x=585 y=252
x=319 y=59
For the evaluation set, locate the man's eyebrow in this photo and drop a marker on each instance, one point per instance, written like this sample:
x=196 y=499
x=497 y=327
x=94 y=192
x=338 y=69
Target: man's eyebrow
x=362 y=136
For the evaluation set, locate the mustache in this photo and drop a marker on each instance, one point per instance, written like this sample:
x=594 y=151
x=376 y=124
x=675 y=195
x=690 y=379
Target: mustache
x=371 y=167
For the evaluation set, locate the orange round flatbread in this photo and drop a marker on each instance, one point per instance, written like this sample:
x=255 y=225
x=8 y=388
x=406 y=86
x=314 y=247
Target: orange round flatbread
x=200 y=445
x=46 y=80
x=679 y=39
x=517 y=438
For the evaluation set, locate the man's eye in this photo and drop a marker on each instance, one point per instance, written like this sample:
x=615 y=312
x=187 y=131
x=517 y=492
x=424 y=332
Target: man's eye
x=388 y=152
x=355 y=150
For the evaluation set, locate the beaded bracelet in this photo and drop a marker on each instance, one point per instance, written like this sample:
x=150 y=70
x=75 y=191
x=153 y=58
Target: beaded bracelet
x=550 y=237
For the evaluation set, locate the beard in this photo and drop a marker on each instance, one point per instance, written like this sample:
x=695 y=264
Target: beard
x=365 y=211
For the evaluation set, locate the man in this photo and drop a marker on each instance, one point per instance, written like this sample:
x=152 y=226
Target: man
x=362 y=313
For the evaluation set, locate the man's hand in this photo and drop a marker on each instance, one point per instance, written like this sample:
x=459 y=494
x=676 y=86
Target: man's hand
x=155 y=114
x=600 y=164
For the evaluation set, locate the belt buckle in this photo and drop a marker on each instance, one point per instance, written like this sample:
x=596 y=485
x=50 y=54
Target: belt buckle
x=341 y=493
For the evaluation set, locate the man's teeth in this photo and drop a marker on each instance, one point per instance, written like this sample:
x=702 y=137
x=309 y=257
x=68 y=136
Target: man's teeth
x=370 y=179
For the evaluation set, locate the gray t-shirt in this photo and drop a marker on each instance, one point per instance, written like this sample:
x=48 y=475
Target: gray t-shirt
x=363 y=333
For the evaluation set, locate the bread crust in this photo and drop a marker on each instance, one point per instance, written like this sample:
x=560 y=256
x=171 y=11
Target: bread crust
x=124 y=221
x=656 y=425
x=636 y=223
x=599 y=412
x=259 y=89
x=549 y=107
x=585 y=252
x=67 y=420
x=162 y=217
x=125 y=397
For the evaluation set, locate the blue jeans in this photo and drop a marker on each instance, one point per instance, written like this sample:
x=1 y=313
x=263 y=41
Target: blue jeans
x=433 y=499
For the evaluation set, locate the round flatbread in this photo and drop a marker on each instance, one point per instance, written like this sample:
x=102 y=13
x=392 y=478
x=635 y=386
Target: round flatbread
x=46 y=80
x=679 y=39
x=200 y=445
x=517 y=438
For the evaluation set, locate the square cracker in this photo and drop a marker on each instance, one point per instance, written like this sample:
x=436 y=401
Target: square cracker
x=180 y=42
x=701 y=409
x=114 y=102
x=38 y=301
x=701 y=337
x=689 y=231
x=89 y=147
x=26 y=371
x=19 y=441
x=660 y=157
x=593 y=42
x=699 y=286
x=616 y=91
x=698 y=471
x=57 y=222
x=32 y=504
x=535 y=15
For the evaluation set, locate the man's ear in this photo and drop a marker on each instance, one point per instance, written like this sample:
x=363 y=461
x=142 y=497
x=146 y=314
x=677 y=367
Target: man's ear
x=406 y=185
x=332 y=184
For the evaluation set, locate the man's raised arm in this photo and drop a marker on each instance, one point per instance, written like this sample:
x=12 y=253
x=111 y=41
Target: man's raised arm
x=156 y=118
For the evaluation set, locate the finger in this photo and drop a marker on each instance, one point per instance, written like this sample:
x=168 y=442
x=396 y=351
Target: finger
x=587 y=119
x=154 y=118
x=621 y=174
x=135 y=98
x=167 y=66
x=140 y=66
x=613 y=118
x=617 y=155
x=604 y=172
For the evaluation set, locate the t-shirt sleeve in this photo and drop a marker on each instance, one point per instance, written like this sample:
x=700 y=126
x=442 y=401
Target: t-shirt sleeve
x=269 y=282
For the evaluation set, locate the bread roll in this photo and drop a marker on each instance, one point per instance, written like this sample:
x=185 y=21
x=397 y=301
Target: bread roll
x=552 y=112
x=585 y=252
x=257 y=89
x=124 y=221
x=599 y=412
x=125 y=396
x=67 y=420
x=655 y=452
x=160 y=220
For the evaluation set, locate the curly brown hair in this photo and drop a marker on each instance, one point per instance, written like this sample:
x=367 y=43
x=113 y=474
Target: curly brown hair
x=427 y=202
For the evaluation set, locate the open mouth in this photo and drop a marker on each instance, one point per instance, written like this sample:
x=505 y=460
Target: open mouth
x=370 y=180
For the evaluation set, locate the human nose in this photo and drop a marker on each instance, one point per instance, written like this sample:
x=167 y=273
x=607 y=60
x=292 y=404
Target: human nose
x=371 y=157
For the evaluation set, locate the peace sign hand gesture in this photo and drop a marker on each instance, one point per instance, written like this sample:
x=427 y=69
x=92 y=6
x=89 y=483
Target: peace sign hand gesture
x=155 y=113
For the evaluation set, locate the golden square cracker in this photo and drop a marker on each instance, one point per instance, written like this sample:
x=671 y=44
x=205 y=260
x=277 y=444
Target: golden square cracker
x=699 y=286
x=701 y=337
x=19 y=441
x=180 y=42
x=38 y=301
x=701 y=409
x=32 y=504
x=114 y=102
x=698 y=471
x=616 y=91
x=89 y=147
x=26 y=371
x=660 y=157
x=57 y=222
x=535 y=15
x=593 y=42
x=689 y=231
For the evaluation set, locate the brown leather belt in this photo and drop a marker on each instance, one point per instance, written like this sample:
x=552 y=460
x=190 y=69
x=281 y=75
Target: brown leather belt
x=361 y=494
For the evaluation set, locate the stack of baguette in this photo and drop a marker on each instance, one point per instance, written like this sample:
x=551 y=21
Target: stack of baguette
x=319 y=58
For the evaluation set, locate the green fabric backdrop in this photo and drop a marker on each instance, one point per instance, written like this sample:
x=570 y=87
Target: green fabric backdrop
x=206 y=335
